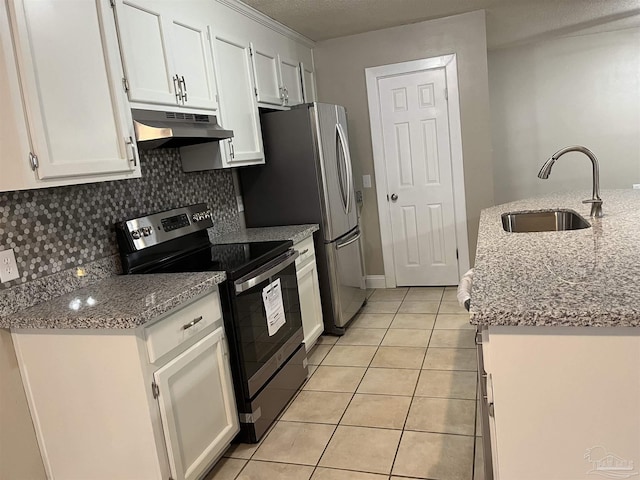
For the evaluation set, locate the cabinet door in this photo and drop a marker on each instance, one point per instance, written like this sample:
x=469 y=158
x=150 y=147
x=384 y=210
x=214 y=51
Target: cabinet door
x=238 y=105
x=197 y=406
x=145 y=50
x=266 y=69
x=14 y=137
x=193 y=65
x=291 y=82
x=308 y=84
x=310 y=306
x=69 y=65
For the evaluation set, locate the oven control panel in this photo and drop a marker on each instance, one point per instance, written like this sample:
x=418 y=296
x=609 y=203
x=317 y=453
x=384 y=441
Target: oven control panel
x=160 y=227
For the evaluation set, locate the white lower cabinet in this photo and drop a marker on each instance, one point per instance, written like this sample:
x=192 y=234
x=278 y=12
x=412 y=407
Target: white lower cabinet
x=102 y=409
x=309 y=291
x=564 y=402
x=188 y=387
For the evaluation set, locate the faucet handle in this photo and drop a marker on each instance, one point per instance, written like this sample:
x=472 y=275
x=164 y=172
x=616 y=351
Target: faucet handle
x=597 y=201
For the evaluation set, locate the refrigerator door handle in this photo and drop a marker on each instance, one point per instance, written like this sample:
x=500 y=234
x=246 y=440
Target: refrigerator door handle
x=349 y=242
x=347 y=161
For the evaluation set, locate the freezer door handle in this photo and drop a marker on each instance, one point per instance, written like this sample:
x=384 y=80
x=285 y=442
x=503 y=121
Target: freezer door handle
x=349 y=241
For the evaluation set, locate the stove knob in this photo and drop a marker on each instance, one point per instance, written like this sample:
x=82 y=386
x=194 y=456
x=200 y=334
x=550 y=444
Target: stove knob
x=135 y=234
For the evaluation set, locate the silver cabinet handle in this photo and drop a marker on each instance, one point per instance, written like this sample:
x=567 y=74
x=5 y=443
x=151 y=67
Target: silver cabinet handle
x=132 y=145
x=232 y=152
x=177 y=88
x=304 y=251
x=192 y=323
x=394 y=197
x=183 y=88
x=266 y=272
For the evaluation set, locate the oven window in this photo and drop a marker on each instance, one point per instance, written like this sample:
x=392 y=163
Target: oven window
x=256 y=345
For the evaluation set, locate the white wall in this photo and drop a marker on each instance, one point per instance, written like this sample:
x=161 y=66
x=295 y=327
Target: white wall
x=581 y=89
x=340 y=65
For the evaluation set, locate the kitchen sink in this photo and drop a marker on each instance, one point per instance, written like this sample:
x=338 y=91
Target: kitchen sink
x=543 y=221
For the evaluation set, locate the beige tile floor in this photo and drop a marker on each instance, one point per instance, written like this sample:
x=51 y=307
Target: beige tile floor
x=394 y=398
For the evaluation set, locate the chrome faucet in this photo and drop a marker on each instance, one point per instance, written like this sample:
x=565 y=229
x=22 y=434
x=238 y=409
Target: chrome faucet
x=595 y=201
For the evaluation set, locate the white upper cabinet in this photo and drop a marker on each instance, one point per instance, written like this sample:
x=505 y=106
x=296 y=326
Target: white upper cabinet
x=238 y=106
x=75 y=112
x=150 y=76
x=278 y=80
x=267 y=71
x=167 y=59
x=308 y=83
x=291 y=81
x=193 y=64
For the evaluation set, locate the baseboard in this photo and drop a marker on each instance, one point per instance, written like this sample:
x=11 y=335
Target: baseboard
x=375 y=281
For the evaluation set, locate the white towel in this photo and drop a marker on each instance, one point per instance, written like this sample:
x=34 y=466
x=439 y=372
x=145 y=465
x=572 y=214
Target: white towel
x=464 y=289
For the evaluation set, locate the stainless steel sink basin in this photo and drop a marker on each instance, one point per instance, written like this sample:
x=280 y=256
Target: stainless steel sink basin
x=543 y=221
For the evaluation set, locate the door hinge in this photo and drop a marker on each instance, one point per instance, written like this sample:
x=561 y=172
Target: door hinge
x=250 y=50
x=256 y=90
x=446 y=94
x=112 y=3
x=33 y=161
x=387 y=197
x=125 y=84
x=155 y=390
x=457 y=253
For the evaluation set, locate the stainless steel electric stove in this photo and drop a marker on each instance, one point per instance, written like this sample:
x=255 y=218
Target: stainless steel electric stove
x=268 y=364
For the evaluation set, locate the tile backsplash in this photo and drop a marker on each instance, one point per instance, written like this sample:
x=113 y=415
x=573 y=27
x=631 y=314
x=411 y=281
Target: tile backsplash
x=55 y=229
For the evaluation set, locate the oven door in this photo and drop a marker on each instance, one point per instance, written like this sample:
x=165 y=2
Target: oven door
x=263 y=352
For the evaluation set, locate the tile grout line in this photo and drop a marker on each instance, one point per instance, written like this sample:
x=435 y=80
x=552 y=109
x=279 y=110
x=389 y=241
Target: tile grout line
x=404 y=425
x=352 y=395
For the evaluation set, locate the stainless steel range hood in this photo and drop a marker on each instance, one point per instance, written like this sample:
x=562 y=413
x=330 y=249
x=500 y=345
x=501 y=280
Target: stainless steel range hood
x=175 y=129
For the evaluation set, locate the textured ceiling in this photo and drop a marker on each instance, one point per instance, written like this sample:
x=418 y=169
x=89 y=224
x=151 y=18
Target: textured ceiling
x=508 y=21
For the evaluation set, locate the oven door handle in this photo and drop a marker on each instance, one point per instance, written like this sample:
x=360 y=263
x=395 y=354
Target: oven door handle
x=266 y=272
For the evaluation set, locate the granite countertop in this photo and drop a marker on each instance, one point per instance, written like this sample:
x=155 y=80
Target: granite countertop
x=294 y=233
x=118 y=302
x=588 y=277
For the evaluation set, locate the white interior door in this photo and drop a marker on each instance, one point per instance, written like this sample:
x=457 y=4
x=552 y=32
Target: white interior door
x=415 y=130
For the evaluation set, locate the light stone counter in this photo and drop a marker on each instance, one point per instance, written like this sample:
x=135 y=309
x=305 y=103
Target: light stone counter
x=294 y=233
x=118 y=302
x=588 y=277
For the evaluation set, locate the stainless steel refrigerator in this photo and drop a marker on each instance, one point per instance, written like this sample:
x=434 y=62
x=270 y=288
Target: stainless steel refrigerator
x=307 y=178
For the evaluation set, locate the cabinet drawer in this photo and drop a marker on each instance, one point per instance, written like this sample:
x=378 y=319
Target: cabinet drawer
x=307 y=251
x=181 y=325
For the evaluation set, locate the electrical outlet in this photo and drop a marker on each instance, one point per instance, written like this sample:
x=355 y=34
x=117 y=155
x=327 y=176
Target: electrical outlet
x=636 y=186
x=366 y=181
x=8 y=266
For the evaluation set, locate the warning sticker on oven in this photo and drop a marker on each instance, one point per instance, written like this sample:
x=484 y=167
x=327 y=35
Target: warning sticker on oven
x=272 y=298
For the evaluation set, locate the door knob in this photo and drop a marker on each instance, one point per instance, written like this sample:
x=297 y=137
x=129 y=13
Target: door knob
x=394 y=197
